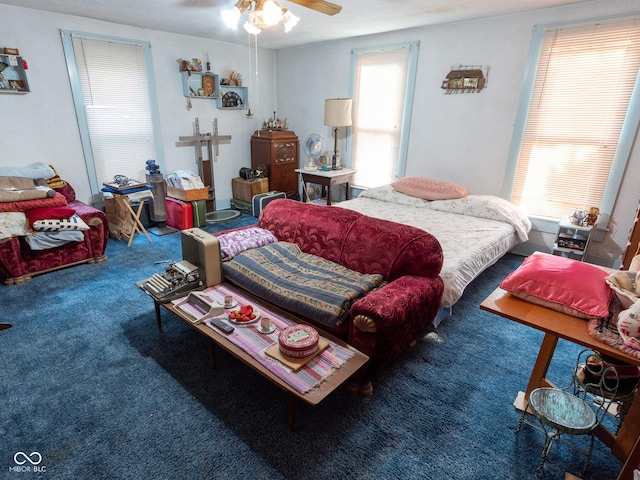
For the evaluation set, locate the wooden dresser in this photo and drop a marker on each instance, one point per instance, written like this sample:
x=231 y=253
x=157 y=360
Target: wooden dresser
x=278 y=151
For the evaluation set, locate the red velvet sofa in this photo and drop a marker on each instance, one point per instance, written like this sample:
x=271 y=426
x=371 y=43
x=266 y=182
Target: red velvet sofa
x=388 y=320
x=18 y=263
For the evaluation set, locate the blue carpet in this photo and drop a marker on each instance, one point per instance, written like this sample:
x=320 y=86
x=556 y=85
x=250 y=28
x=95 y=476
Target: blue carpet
x=89 y=382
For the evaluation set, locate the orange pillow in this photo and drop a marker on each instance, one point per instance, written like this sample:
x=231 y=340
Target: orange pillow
x=562 y=284
x=429 y=189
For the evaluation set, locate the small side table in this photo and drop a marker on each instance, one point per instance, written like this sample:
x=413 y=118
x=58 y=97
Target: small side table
x=327 y=179
x=133 y=216
x=572 y=240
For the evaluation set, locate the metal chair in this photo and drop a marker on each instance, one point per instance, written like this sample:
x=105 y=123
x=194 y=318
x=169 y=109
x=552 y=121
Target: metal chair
x=576 y=409
x=628 y=382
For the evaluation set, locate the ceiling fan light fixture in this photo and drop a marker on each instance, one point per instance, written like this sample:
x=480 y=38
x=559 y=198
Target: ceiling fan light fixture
x=289 y=20
x=262 y=15
x=271 y=12
x=250 y=26
x=231 y=17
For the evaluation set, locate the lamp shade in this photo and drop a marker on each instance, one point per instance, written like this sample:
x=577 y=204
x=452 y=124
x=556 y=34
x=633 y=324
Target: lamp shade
x=337 y=112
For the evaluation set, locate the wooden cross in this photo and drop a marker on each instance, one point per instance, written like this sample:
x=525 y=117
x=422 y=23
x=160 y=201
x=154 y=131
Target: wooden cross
x=205 y=165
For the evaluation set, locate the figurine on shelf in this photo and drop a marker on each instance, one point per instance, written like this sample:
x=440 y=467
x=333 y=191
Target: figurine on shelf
x=275 y=123
x=234 y=79
x=578 y=217
x=185 y=65
x=197 y=65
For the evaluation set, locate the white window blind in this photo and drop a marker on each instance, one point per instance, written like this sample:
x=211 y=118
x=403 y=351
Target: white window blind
x=379 y=108
x=115 y=94
x=583 y=85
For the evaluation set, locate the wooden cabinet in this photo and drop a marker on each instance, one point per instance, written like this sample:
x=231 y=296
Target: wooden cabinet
x=278 y=151
x=633 y=245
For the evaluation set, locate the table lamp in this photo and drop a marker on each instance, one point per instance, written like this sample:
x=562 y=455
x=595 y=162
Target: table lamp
x=337 y=113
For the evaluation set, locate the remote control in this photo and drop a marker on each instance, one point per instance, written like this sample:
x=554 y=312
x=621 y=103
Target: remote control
x=220 y=325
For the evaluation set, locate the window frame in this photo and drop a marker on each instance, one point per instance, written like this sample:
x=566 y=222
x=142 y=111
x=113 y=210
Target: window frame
x=405 y=129
x=625 y=142
x=78 y=99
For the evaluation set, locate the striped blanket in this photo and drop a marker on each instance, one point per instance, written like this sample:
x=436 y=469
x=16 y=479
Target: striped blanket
x=307 y=285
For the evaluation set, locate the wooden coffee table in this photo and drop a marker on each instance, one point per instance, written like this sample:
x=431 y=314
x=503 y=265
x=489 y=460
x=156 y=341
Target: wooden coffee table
x=312 y=397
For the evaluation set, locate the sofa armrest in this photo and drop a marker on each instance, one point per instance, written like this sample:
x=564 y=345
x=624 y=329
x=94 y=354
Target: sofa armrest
x=400 y=312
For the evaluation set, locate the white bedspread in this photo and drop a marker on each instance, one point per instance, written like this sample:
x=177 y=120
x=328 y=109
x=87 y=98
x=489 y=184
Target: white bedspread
x=474 y=231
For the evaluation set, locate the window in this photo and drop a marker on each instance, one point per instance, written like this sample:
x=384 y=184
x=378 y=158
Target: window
x=574 y=129
x=111 y=92
x=383 y=83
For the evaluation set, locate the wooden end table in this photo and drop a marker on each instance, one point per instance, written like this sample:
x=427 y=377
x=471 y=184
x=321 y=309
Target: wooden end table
x=625 y=445
x=327 y=179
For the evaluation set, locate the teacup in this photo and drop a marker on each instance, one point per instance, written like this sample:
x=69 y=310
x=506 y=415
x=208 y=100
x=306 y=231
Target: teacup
x=228 y=301
x=265 y=324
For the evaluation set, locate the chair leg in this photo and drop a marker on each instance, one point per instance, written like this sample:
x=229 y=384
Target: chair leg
x=550 y=437
x=524 y=412
x=588 y=460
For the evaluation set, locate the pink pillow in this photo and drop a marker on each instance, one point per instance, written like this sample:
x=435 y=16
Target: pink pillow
x=562 y=284
x=429 y=189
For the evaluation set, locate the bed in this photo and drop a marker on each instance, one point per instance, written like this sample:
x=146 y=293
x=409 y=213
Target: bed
x=474 y=231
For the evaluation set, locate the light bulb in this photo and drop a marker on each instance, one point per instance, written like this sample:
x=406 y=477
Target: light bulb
x=250 y=27
x=231 y=17
x=289 y=20
x=272 y=13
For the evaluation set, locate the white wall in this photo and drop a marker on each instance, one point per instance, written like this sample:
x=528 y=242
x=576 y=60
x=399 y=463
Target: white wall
x=462 y=138
x=42 y=126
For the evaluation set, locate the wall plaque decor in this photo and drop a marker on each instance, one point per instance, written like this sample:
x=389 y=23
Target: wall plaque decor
x=466 y=79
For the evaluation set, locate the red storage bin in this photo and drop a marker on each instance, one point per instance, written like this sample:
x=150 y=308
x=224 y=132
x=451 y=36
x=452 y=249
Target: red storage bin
x=179 y=214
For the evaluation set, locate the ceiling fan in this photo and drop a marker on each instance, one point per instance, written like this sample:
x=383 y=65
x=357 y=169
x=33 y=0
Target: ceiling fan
x=321 y=6
x=266 y=13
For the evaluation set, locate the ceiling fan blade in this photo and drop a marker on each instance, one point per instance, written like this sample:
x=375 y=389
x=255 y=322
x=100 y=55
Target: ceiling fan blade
x=321 y=6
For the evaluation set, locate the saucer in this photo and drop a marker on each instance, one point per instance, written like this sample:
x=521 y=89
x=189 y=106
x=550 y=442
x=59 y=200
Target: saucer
x=233 y=304
x=269 y=330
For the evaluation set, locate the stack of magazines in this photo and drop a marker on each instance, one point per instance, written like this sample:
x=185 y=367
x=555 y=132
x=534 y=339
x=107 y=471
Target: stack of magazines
x=184 y=180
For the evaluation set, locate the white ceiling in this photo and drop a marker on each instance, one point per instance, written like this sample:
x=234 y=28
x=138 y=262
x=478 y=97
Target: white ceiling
x=201 y=18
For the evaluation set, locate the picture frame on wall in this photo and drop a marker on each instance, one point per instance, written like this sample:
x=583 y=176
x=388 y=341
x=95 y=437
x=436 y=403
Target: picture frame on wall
x=16 y=84
x=470 y=83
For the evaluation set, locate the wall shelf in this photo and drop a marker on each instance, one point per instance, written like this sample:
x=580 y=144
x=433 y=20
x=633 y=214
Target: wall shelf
x=204 y=85
x=466 y=79
x=13 y=78
x=233 y=98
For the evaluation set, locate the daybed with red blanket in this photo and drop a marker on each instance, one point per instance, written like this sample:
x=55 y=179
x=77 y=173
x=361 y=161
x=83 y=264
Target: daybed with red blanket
x=26 y=250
